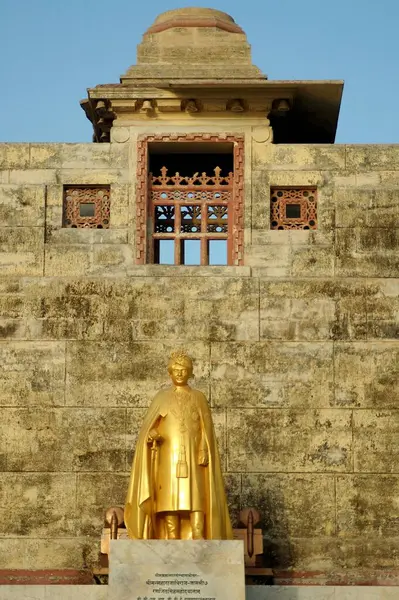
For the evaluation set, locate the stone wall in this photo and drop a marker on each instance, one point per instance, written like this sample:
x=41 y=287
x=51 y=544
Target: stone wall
x=297 y=352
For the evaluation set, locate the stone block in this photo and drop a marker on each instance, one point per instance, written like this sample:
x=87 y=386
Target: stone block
x=313 y=238
x=21 y=250
x=312 y=261
x=274 y=261
x=85 y=156
x=366 y=375
x=70 y=237
x=367 y=593
x=52 y=311
x=4 y=177
x=33 y=374
x=367 y=505
x=49 y=553
x=68 y=260
x=333 y=553
x=120 y=152
x=292 y=505
x=112 y=259
x=51 y=592
x=298 y=157
x=383 y=309
x=260 y=200
x=14 y=156
x=279 y=592
x=121 y=213
x=309 y=309
x=173 y=271
x=233 y=488
x=45 y=156
x=64 y=329
x=271 y=374
x=213 y=567
x=22 y=206
x=41 y=440
x=94 y=495
x=372 y=157
x=367 y=252
x=185 y=308
x=366 y=207
x=278 y=440
x=13 y=329
x=323 y=180
x=33 y=176
x=37 y=504
x=389 y=177
x=130 y=374
x=375 y=441
x=86 y=175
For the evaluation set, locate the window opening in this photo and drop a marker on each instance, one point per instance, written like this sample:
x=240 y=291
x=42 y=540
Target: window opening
x=87 y=209
x=165 y=252
x=190 y=252
x=191 y=197
x=217 y=252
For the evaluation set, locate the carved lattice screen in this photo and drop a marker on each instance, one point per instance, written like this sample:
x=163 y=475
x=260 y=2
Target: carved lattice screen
x=86 y=206
x=293 y=208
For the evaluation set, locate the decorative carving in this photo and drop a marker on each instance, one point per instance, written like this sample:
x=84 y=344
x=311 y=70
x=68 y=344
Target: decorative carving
x=190 y=106
x=120 y=134
x=236 y=106
x=86 y=206
x=293 y=208
x=104 y=117
x=147 y=107
x=158 y=191
x=261 y=135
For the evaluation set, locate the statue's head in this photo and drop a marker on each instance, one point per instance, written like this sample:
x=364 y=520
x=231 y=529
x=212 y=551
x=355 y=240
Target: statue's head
x=180 y=368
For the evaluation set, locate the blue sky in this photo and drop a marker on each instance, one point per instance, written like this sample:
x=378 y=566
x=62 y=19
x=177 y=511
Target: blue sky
x=52 y=50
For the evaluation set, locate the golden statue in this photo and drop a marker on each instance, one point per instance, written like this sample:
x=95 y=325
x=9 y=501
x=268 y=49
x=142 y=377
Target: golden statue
x=176 y=487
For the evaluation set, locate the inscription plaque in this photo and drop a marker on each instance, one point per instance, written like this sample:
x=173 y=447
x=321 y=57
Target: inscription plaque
x=177 y=570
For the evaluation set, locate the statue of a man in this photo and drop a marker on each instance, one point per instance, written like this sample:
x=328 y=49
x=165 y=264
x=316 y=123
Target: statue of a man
x=176 y=487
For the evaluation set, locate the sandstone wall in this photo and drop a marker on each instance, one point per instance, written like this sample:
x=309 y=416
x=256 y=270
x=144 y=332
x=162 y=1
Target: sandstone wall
x=297 y=352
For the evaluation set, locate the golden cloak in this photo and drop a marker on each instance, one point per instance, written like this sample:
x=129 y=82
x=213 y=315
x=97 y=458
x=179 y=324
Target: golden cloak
x=141 y=496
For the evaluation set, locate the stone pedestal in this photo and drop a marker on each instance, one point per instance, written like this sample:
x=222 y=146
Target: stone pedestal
x=177 y=569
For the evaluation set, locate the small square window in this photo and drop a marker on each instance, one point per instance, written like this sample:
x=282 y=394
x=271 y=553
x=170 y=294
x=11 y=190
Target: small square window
x=293 y=211
x=86 y=207
x=293 y=208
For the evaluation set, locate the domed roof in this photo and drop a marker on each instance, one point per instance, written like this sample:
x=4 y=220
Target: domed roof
x=194 y=17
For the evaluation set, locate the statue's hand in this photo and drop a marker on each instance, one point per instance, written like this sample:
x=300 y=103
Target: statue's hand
x=154 y=436
x=203 y=458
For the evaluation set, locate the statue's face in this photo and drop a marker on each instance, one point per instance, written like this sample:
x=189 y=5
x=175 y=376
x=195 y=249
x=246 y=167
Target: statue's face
x=179 y=374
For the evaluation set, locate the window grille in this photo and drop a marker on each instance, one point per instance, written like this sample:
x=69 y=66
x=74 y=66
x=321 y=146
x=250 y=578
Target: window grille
x=86 y=206
x=293 y=208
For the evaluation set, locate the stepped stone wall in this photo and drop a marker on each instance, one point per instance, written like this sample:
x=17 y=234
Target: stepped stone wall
x=297 y=352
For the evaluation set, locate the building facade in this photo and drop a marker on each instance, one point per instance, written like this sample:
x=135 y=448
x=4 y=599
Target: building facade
x=212 y=212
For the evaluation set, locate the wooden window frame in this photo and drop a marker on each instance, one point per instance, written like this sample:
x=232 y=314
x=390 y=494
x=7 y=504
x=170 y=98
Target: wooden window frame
x=235 y=237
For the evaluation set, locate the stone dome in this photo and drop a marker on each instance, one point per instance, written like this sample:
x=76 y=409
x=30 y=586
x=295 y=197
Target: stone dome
x=193 y=44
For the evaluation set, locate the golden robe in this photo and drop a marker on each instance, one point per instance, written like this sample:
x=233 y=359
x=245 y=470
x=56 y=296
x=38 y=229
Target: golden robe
x=171 y=477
